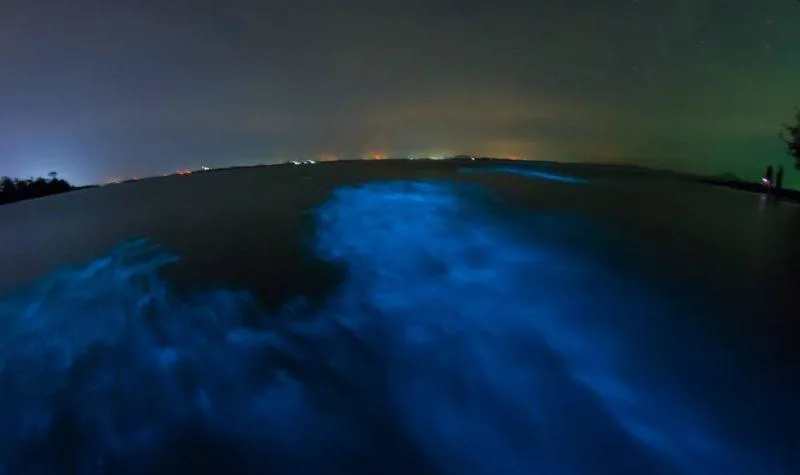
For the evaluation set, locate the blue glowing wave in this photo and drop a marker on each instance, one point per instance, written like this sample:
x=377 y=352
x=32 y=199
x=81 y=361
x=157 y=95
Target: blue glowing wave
x=531 y=173
x=453 y=347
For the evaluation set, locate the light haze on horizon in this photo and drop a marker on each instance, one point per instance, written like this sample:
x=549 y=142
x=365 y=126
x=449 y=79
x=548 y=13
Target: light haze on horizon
x=97 y=91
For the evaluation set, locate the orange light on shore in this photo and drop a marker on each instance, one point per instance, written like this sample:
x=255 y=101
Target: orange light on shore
x=373 y=155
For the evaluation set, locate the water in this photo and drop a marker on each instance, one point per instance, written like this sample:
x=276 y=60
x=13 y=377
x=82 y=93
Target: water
x=467 y=322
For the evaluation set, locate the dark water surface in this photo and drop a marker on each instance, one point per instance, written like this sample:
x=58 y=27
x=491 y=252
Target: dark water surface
x=397 y=317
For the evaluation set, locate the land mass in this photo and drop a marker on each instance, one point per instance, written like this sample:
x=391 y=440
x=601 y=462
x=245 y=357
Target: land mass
x=752 y=187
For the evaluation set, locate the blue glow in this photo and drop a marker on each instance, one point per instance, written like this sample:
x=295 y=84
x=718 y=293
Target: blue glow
x=524 y=171
x=454 y=346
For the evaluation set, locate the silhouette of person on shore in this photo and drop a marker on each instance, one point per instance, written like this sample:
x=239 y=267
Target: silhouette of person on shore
x=779 y=178
x=768 y=177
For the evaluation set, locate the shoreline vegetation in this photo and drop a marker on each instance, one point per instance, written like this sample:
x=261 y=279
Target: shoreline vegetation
x=13 y=190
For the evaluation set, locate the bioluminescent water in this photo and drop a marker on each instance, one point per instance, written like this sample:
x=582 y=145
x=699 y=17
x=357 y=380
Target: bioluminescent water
x=531 y=173
x=454 y=345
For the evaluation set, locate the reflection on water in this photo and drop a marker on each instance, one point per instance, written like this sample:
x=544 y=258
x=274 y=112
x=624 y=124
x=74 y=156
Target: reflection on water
x=452 y=347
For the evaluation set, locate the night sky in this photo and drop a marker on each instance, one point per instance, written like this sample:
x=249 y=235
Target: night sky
x=99 y=90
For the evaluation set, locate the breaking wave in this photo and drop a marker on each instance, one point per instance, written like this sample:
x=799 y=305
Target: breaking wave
x=530 y=173
x=452 y=347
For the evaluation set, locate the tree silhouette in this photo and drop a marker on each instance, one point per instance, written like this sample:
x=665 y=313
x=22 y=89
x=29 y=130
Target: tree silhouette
x=791 y=136
x=13 y=189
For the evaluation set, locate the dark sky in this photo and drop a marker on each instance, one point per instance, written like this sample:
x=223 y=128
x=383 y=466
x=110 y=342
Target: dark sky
x=102 y=89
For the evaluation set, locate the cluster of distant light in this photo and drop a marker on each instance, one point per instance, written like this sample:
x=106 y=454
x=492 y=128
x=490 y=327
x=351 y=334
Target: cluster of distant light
x=187 y=171
x=324 y=158
x=381 y=156
x=181 y=172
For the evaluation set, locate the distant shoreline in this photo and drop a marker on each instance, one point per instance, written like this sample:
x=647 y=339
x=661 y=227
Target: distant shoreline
x=728 y=181
x=785 y=194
